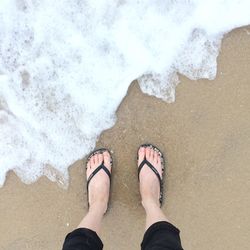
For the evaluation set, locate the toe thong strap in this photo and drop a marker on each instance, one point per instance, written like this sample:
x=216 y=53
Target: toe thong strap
x=145 y=161
x=96 y=171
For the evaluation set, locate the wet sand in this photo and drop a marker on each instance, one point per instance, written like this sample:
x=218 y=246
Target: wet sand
x=205 y=135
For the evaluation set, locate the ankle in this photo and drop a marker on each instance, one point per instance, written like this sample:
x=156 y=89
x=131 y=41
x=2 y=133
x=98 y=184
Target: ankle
x=98 y=207
x=150 y=203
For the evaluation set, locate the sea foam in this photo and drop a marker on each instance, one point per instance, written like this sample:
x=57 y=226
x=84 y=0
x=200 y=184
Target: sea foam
x=65 y=66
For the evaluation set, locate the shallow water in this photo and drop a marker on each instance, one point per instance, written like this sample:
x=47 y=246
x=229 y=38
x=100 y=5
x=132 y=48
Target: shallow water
x=65 y=68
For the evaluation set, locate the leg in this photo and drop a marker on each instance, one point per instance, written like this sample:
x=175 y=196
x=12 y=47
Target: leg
x=93 y=218
x=98 y=192
x=160 y=234
x=86 y=236
x=149 y=187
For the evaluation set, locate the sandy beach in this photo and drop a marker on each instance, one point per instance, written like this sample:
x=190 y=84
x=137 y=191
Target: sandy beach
x=205 y=135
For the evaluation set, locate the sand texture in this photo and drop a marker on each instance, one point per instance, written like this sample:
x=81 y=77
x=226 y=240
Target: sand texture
x=205 y=136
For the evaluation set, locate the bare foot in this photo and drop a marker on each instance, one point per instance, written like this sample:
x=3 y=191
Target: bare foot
x=149 y=183
x=100 y=183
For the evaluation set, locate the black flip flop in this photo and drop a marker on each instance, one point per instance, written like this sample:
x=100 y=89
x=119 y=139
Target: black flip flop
x=146 y=162
x=100 y=167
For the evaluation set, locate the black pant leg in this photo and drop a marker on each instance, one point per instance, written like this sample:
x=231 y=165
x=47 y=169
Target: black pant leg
x=82 y=239
x=162 y=236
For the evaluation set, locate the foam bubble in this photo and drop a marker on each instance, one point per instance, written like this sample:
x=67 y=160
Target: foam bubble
x=65 y=66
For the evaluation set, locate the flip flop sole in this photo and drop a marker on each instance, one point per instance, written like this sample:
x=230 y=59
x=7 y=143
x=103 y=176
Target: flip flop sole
x=163 y=163
x=98 y=151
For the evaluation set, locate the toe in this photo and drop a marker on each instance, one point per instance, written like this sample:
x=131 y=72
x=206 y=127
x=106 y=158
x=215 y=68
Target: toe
x=107 y=158
x=100 y=159
x=148 y=153
x=155 y=160
x=141 y=155
x=151 y=155
x=88 y=164
x=158 y=164
x=158 y=159
x=92 y=161
x=96 y=159
x=88 y=168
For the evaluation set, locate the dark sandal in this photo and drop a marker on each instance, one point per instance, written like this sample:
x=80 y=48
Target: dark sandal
x=100 y=167
x=146 y=162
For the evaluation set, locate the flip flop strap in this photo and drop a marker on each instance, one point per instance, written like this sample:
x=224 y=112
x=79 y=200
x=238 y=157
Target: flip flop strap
x=96 y=171
x=145 y=161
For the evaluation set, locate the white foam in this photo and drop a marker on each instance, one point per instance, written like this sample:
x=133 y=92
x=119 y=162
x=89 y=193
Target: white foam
x=65 y=66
